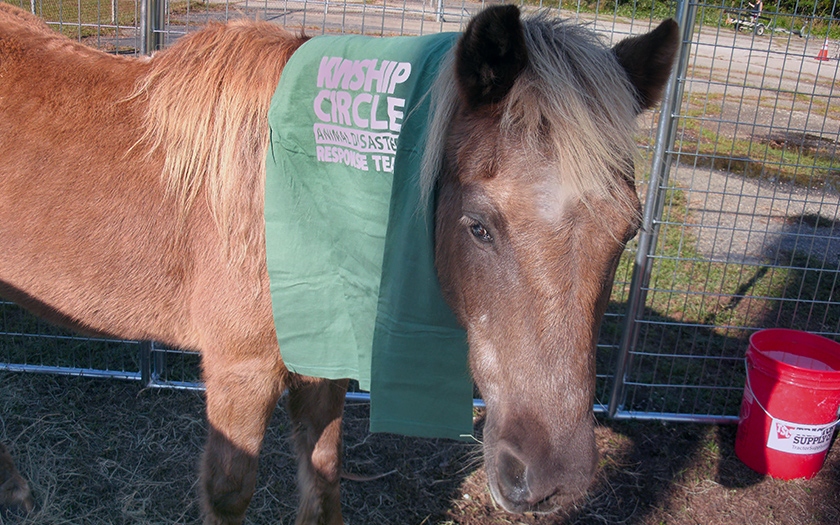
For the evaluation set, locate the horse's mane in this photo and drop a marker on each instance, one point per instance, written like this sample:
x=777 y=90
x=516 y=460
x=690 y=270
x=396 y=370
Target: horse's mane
x=208 y=99
x=573 y=103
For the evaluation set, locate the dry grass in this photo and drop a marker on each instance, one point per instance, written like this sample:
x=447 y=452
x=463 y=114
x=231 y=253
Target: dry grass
x=105 y=451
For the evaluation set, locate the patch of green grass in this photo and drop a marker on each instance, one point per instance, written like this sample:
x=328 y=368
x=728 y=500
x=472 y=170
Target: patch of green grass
x=623 y=8
x=701 y=141
x=813 y=290
x=748 y=157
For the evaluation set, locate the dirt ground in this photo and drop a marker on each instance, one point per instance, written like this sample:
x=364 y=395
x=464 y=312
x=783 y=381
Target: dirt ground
x=104 y=451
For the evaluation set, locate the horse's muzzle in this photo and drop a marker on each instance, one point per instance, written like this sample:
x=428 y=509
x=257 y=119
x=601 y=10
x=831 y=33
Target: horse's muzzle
x=539 y=483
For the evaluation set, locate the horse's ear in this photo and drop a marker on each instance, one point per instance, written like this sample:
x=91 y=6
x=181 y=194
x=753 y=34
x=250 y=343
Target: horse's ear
x=648 y=59
x=490 y=56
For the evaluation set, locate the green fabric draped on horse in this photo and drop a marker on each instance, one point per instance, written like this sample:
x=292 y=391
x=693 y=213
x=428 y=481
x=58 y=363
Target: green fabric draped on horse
x=131 y=204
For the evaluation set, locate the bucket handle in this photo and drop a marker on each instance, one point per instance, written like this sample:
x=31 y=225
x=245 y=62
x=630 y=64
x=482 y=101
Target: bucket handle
x=749 y=387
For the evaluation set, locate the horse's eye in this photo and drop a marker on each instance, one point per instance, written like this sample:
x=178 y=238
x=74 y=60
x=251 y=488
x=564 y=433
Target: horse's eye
x=480 y=232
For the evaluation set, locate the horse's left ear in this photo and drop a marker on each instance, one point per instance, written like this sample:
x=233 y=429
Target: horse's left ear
x=490 y=56
x=647 y=59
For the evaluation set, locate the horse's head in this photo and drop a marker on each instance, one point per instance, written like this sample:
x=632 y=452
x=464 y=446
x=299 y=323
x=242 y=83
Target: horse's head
x=535 y=203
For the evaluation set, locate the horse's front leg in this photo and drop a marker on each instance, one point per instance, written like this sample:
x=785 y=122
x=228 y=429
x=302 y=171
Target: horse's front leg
x=14 y=490
x=316 y=407
x=241 y=396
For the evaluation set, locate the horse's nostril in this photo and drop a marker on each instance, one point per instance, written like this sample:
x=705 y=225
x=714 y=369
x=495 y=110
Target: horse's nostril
x=512 y=479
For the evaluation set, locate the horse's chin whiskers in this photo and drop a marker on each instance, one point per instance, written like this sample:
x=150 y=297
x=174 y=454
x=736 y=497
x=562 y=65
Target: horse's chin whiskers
x=474 y=460
x=473 y=438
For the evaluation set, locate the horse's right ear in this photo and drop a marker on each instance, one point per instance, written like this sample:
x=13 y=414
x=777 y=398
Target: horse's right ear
x=647 y=59
x=490 y=56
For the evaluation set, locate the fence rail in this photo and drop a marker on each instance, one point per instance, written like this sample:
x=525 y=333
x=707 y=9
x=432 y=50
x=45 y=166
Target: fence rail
x=739 y=173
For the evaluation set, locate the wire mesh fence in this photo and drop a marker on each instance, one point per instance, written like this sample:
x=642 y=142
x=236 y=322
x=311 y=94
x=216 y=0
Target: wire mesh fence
x=747 y=233
x=739 y=173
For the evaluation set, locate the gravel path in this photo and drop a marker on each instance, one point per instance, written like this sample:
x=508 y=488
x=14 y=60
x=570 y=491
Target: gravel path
x=744 y=220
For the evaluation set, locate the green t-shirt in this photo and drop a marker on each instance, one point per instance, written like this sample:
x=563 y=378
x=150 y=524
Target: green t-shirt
x=349 y=248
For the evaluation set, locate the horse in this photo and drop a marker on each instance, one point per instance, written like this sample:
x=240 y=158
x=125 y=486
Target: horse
x=131 y=205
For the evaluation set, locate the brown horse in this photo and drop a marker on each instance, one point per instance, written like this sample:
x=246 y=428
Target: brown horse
x=131 y=204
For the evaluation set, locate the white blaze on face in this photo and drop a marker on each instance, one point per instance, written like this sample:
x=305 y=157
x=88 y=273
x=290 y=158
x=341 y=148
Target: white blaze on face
x=552 y=196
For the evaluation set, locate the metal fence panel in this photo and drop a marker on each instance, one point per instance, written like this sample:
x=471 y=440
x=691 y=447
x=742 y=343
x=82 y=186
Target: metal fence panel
x=742 y=212
x=747 y=236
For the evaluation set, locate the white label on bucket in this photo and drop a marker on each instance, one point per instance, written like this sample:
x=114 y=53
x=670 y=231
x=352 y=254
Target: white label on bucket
x=796 y=438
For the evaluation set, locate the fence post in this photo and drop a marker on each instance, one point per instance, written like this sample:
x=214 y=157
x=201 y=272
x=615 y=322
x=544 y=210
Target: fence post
x=158 y=363
x=145 y=352
x=152 y=363
x=152 y=20
x=654 y=204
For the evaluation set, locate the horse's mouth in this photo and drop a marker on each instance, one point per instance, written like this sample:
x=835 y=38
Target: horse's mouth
x=548 y=505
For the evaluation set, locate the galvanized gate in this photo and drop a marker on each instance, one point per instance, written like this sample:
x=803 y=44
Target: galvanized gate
x=739 y=174
x=741 y=213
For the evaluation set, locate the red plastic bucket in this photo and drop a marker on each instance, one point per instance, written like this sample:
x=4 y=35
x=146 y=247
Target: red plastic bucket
x=790 y=406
